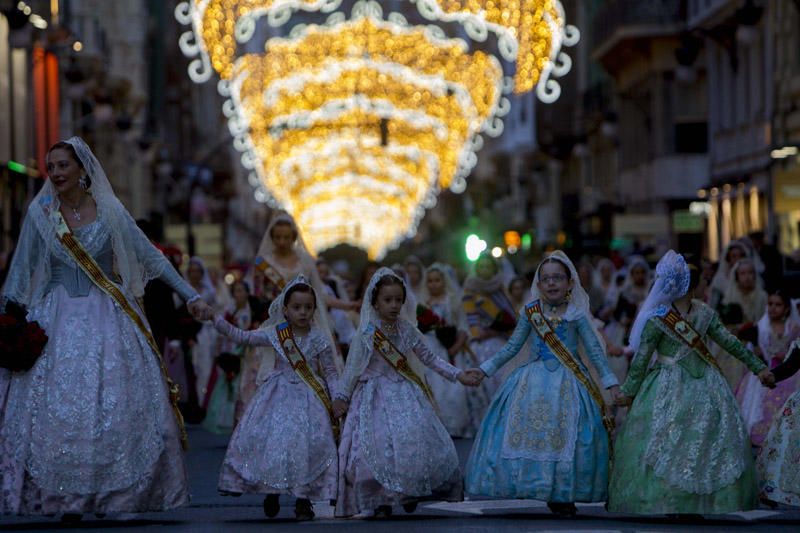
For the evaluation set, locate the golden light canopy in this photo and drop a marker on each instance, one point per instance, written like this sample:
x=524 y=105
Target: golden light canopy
x=354 y=125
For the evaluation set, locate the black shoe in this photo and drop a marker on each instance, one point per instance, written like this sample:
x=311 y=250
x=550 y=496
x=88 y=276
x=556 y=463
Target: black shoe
x=383 y=511
x=566 y=510
x=303 y=510
x=410 y=507
x=272 y=505
x=71 y=518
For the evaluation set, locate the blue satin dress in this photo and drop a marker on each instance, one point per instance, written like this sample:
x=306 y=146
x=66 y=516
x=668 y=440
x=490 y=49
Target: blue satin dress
x=543 y=437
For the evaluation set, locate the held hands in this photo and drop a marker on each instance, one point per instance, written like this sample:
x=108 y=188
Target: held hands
x=471 y=377
x=620 y=399
x=339 y=408
x=767 y=378
x=200 y=310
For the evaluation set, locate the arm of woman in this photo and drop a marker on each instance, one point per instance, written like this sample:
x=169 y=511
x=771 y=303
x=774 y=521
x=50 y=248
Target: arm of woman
x=511 y=348
x=239 y=336
x=651 y=336
x=790 y=365
x=728 y=341
x=596 y=354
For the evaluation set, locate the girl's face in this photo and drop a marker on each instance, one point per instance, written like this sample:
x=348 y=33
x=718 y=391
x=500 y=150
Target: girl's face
x=746 y=276
x=239 y=294
x=517 y=290
x=389 y=302
x=776 y=309
x=639 y=276
x=485 y=268
x=606 y=272
x=195 y=273
x=554 y=282
x=282 y=237
x=435 y=283
x=63 y=170
x=300 y=310
x=414 y=273
x=324 y=270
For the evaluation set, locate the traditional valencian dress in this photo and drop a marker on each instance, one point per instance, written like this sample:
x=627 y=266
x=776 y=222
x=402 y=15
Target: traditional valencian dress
x=779 y=461
x=684 y=447
x=285 y=442
x=393 y=450
x=90 y=427
x=543 y=436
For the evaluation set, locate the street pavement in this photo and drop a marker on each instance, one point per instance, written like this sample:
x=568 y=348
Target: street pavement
x=208 y=511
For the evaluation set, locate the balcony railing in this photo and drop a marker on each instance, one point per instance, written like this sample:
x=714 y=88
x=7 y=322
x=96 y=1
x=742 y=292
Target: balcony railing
x=615 y=15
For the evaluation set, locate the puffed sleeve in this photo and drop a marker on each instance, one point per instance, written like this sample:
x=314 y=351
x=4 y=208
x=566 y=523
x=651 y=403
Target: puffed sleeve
x=596 y=353
x=720 y=334
x=511 y=348
x=651 y=336
x=154 y=261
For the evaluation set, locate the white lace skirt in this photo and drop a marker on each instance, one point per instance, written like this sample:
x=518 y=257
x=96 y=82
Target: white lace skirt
x=89 y=428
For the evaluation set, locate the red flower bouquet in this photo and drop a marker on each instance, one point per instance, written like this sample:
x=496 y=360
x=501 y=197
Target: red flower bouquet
x=21 y=342
x=427 y=320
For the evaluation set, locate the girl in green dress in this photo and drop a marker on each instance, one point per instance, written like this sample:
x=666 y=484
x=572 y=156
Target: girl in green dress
x=684 y=448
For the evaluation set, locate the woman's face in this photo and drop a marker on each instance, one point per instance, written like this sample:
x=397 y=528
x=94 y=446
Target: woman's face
x=240 y=294
x=485 y=268
x=776 y=308
x=517 y=290
x=606 y=272
x=639 y=276
x=746 y=276
x=585 y=273
x=195 y=273
x=282 y=237
x=414 y=273
x=435 y=283
x=64 y=172
x=554 y=282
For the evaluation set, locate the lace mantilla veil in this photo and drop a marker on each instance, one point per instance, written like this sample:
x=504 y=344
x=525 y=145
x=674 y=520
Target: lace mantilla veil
x=672 y=282
x=578 y=305
x=29 y=273
x=309 y=270
x=362 y=346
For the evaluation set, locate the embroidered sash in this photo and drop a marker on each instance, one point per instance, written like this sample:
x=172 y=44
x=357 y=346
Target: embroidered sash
x=398 y=361
x=98 y=277
x=542 y=327
x=299 y=364
x=270 y=272
x=684 y=331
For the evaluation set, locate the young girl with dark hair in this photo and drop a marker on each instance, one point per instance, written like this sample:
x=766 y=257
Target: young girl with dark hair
x=285 y=442
x=394 y=450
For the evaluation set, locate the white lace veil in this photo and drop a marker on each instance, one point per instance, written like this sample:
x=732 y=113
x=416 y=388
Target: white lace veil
x=452 y=290
x=209 y=291
x=308 y=268
x=361 y=347
x=30 y=272
x=672 y=282
x=721 y=278
x=578 y=305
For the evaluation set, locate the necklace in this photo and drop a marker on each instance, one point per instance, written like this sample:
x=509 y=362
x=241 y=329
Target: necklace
x=390 y=327
x=76 y=214
x=553 y=308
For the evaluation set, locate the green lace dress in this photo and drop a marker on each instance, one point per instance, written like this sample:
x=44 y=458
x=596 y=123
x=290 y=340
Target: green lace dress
x=684 y=447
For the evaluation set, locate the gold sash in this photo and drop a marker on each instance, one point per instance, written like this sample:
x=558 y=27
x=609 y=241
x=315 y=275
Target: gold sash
x=475 y=303
x=689 y=336
x=299 y=364
x=399 y=362
x=98 y=277
x=270 y=272
x=546 y=332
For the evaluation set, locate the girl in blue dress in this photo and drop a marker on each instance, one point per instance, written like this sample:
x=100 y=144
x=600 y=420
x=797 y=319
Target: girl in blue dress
x=544 y=436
